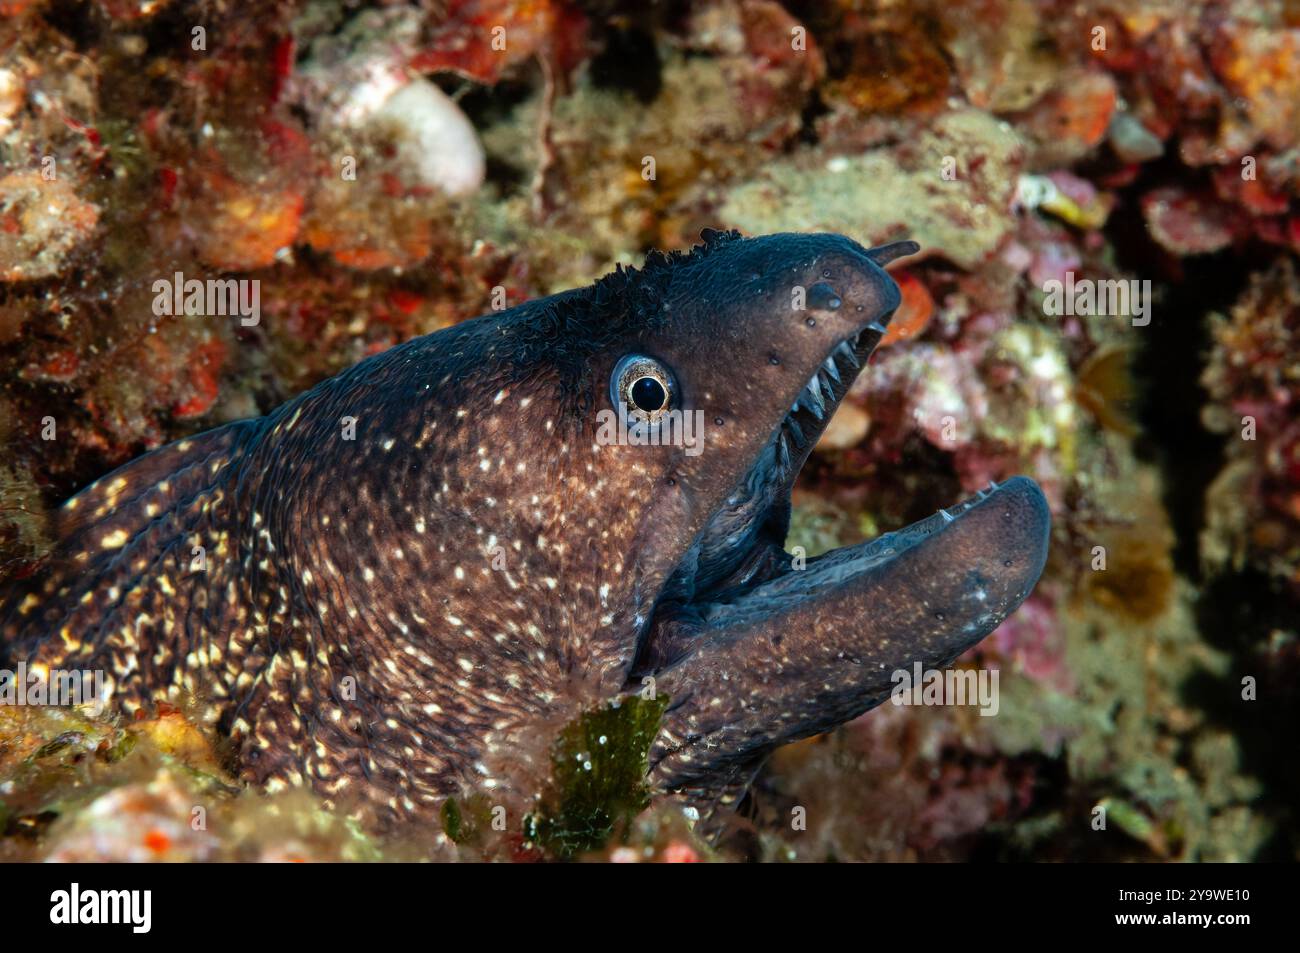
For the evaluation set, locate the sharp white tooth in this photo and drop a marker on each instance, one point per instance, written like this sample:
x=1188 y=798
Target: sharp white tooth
x=815 y=400
x=783 y=452
x=846 y=351
x=877 y=327
x=947 y=517
x=827 y=388
x=831 y=369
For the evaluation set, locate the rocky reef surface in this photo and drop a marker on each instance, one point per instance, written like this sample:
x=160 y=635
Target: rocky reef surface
x=383 y=172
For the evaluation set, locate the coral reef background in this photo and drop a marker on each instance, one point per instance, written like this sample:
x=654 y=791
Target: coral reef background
x=387 y=170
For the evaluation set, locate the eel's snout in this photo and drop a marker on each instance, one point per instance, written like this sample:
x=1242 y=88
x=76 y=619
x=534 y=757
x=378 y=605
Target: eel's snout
x=1006 y=536
x=954 y=587
x=820 y=646
x=949 y=581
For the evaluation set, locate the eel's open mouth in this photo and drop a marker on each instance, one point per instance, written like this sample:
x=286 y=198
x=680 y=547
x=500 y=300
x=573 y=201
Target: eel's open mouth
x=758 y=649
x=742 y=549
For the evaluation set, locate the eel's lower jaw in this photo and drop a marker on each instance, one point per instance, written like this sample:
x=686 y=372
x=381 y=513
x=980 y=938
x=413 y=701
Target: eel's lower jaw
x=808 y=649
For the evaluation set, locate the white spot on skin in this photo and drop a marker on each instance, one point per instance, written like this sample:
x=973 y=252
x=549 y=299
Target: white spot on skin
x=114 y=540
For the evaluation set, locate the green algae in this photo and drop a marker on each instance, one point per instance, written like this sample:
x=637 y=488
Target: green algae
x=598 y=771
x=467 y=821
x=451 y=821
x=120 y=748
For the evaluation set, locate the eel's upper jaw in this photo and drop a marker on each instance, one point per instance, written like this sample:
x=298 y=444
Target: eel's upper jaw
x=807 y=649
x=743 y=539
x=812 y=410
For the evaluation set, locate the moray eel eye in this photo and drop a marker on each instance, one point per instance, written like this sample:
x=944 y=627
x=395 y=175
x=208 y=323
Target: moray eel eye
x=649 y=395
x=643 y=387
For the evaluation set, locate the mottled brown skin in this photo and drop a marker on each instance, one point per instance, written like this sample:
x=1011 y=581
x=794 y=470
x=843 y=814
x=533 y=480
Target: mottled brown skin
x=408 y=610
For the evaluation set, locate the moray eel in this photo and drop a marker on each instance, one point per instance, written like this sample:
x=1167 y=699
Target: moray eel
x=396 y=586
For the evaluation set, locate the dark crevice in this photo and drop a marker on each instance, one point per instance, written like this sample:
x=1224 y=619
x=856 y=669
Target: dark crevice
x=83 y=23
x=629 y=62
x=813 y=110
x=1239 y=613
x=1170 y=359
x=1247 y=615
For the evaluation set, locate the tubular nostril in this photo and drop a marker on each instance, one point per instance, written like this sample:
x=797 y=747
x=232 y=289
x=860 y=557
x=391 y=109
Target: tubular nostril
x=822 y=295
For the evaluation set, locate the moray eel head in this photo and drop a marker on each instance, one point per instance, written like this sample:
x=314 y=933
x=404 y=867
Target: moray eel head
x=755 y=648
